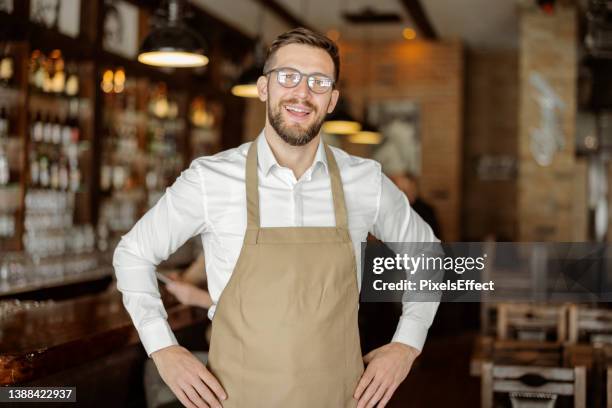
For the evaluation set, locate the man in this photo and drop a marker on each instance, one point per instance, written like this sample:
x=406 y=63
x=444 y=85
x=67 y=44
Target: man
x=281 y=221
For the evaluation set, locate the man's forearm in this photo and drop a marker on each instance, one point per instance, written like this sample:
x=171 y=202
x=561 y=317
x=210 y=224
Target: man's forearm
x=137 y=283
x=414 y=323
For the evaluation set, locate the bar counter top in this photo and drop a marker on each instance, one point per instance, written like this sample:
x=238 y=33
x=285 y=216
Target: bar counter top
x=44 y=340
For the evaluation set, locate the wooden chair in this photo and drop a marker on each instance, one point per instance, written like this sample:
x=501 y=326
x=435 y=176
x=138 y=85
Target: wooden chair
x=532 y=380
x=592 y=325
x=515 y=352
x=531 y=322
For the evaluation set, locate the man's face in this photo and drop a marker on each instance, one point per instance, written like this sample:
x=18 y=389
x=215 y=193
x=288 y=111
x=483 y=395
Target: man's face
x=297 y=114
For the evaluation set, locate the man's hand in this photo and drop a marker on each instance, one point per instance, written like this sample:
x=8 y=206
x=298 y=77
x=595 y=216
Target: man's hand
x=387 y=367
x=189 y=294
x=188 y=378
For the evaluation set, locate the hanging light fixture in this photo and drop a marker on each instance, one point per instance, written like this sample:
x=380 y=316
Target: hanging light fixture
x=246 y=85
x=340 y=121
x=173 y=44
x=367 y=135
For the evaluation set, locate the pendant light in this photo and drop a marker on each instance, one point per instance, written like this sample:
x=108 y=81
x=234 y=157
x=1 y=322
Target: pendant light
x=246 y=84
x=340 y=121
x=368 y=134
x=173 y=44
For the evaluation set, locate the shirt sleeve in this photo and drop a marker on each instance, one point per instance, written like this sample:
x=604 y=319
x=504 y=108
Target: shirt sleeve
x=396 y=221
x=177 y=216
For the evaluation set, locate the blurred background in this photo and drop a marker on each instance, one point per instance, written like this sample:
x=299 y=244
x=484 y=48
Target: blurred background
x=495 y=118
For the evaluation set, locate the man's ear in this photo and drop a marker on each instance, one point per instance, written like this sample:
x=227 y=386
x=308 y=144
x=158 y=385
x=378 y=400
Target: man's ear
x=334 y=100
x=262 y=88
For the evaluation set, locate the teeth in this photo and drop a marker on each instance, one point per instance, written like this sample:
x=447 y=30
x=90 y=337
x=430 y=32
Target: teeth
x=294 y=109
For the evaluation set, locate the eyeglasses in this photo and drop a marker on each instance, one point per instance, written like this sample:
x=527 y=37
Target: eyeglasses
x=290 y=78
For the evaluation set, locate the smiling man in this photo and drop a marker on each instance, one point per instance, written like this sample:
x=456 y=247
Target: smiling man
x=281 y=220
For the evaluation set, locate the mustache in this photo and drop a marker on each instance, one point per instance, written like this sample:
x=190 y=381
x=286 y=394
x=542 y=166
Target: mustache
x=295 y=101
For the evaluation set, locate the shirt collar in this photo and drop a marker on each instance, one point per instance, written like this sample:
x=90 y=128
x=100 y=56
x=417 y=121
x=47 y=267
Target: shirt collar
x=266 y=159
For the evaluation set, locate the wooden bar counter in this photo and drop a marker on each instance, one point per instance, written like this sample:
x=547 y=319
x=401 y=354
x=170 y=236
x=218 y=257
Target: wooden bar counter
x=43 y=342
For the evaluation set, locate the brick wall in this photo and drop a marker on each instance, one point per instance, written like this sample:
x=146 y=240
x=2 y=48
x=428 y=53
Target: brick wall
x=431 y=74
x=551 y=199
x=491 y=129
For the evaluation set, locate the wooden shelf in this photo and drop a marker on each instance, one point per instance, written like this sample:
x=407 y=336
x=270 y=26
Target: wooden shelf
x=11 y=96
x=10 y=197
x=96 y=111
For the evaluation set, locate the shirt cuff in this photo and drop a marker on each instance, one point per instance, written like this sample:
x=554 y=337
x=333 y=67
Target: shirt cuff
x=156 y=335
x=411 y=332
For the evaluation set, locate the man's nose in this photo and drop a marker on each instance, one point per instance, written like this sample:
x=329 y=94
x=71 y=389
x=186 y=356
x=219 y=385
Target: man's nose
x=302 y=89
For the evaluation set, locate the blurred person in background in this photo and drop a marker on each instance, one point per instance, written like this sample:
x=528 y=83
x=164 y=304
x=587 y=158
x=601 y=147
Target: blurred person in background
x=409 y=184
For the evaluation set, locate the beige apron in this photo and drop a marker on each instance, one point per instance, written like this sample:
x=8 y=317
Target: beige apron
x=284 y=334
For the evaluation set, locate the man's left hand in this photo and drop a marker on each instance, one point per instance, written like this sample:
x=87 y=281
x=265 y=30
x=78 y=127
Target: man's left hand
x=387 y=367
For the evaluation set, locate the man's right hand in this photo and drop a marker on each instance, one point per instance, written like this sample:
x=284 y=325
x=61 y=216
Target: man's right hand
x=188 y=378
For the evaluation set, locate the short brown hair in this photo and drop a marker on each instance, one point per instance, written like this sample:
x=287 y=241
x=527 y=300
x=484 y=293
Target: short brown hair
x=305 y=36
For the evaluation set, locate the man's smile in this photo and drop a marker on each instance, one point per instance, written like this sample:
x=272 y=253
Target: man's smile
x=297 y=112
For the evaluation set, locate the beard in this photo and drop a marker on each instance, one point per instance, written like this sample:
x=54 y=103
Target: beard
x=296 y=134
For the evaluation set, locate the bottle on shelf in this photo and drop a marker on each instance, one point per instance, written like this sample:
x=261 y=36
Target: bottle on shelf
x=4 y=133
x=34 y=167
x=39 y=71
x=72 y=80
x=75 y=176
x=47 y=135
x=64 y=174
x=7 y=70
x=54 y=176
x=56 y=131
x=44 y=176
x=59 y=76
x=37 y=128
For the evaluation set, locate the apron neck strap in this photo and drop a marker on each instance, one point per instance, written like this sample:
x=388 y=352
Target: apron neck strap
x=337 y=190
x=252 y=191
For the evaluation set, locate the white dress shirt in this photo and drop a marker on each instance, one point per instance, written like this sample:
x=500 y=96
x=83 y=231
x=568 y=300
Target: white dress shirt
x=209 y=199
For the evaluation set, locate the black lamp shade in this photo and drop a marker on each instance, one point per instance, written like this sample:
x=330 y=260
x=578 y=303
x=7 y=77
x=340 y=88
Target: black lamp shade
x=173 y=46
x=341 y=122
x=246 y=85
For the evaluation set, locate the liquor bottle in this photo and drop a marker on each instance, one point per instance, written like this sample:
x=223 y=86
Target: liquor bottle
x=72 y=80
x=4 y=167
x=64 y=174
x=7 y=70
x=37 y=128
x=47 y=130
x=44 y=176
x=34 y=168
x=75 y=177
x=56 y=131
x=66 y=132
x=54 y=171
x=59 y=77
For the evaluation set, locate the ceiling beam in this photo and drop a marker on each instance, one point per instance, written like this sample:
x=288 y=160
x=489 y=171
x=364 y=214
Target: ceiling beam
x=418 y=15
x=281 y=11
